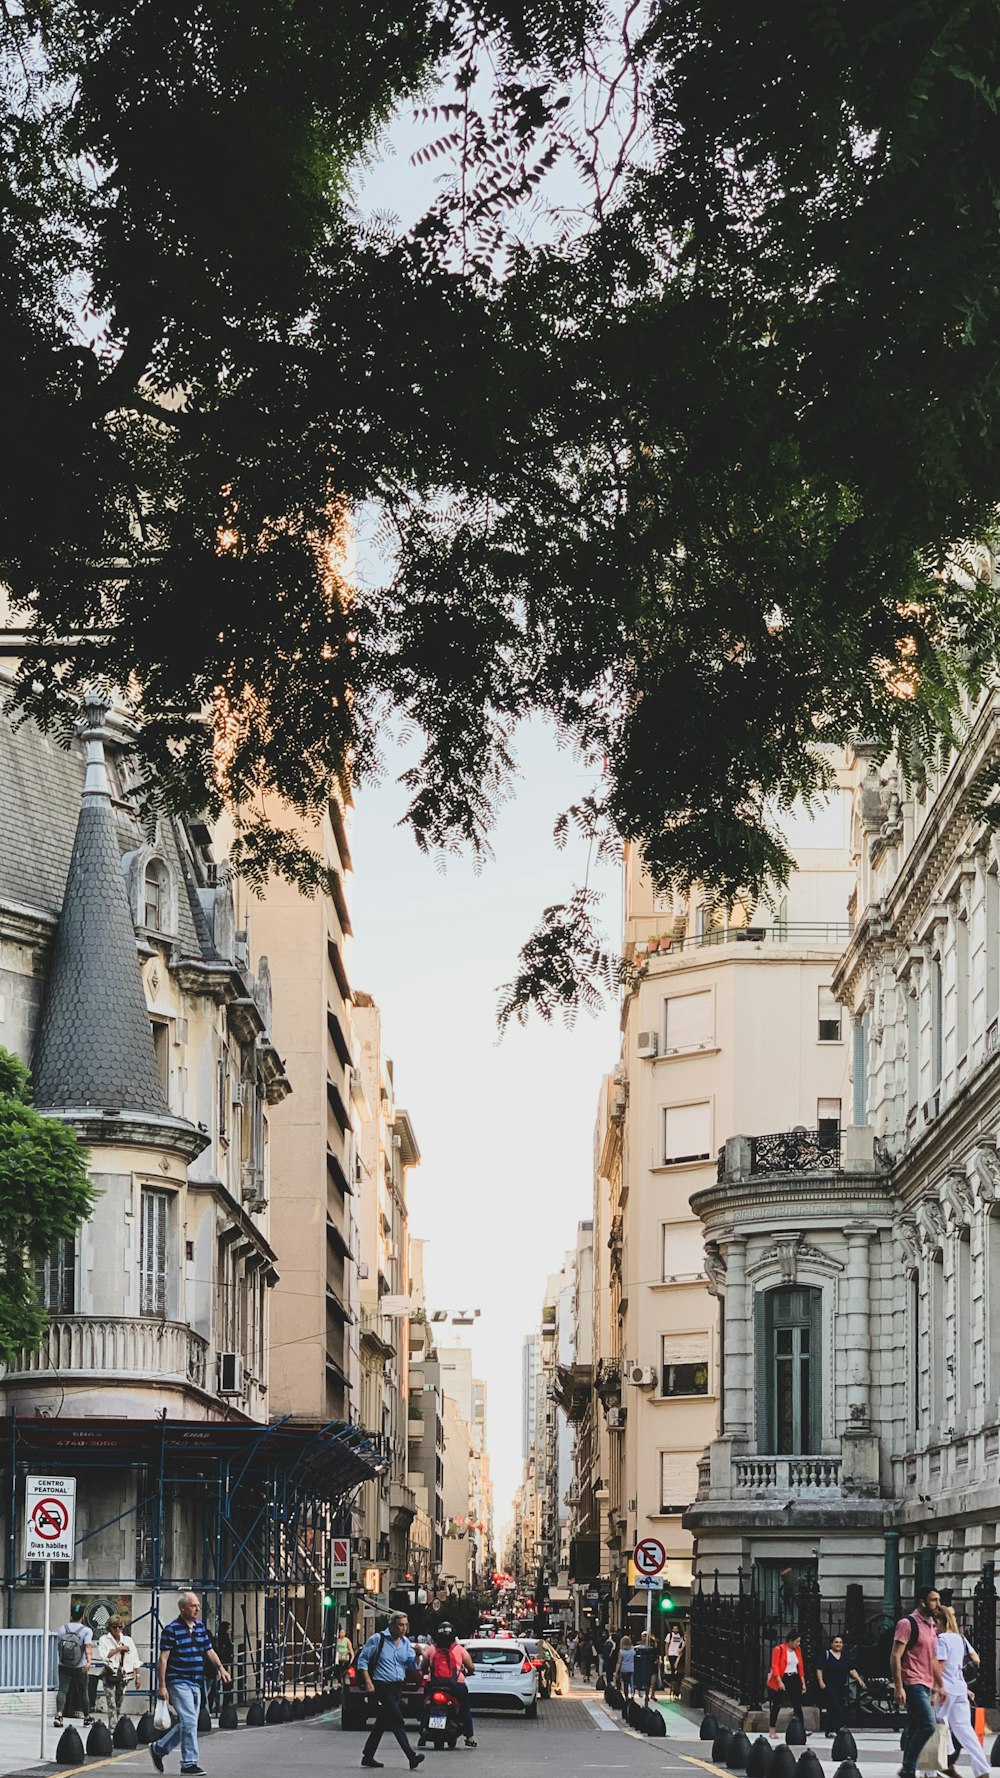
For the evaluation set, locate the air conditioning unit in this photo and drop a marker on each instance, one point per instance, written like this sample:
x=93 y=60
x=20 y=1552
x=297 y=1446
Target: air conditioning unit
x=619 y=1075
x=616 y=1419
x=643 y=1376
x=648 y=1045
x=240 y=1092
x=618 y=1106
x=632 y=1505
x=362 y=1268
x=230 y=1373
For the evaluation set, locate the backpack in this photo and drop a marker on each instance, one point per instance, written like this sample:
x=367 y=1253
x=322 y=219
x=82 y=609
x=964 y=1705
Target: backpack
x=70 y=1649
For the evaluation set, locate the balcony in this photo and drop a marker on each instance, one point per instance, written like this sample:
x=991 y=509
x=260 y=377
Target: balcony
x=119 y=1350
x=799 y=935
x=402 y=1502
x=762 y=1478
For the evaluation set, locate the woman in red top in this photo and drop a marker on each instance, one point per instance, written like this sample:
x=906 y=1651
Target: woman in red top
x=784 y=1682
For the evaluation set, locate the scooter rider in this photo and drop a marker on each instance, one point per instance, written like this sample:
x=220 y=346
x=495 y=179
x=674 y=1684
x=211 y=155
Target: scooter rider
x=445 y=1662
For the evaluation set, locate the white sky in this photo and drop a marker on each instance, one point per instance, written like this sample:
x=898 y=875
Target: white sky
x=505 y=1128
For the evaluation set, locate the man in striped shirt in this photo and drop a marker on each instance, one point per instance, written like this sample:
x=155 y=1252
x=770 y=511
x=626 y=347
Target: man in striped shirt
x=185 y=1646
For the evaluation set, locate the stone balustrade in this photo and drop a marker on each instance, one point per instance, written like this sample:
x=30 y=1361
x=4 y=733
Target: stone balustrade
x=124 y=1349
x=763 y=1476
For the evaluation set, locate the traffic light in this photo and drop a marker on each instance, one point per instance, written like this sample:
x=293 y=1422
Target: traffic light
x=666 y=1602
x=327 y=1601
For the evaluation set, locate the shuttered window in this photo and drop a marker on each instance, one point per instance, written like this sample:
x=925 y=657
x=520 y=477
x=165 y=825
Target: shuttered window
x=685 y=1364
x=688 y=1022
x=55 y=1276
x=153 y=1254
x=678 y=1480
x=829 y=1017
x=687 y=1133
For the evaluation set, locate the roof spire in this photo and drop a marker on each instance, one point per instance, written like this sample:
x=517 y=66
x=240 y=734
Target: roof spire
x=94 y=1047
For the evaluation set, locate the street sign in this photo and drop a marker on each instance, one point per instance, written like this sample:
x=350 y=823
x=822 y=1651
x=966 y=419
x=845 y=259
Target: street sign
x=340 y=1562
x=649 y=1583
x=649 y=1556
x=49 y=1513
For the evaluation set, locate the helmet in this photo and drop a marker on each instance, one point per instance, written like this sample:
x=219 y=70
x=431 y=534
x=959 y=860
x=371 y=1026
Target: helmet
x=444 y=1635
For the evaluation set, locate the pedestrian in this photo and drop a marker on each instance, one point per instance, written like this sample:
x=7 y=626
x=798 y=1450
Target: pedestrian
x=585 y=1657
x=185 y=1645
x=571 y=1647
x=833 y=1676
x=674 y=1652
x=654 y=1676
x=344 y=1651
x=784 y=1681
x=383 y=1663
x=625 y=1670
x=120 y=1662
x=609 y=1655
x=916 y=1675
x=953 y=1651
x=75 y=1648
x=642 y=1667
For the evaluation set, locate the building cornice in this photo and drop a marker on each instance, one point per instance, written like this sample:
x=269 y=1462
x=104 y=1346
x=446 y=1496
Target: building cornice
x=97 y=1128
x=798 y=1198
x=26 y=925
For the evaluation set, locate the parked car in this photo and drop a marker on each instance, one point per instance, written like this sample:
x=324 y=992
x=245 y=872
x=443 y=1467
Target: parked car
x=357 y=1708
x=505 y=1676
x=545 y=1661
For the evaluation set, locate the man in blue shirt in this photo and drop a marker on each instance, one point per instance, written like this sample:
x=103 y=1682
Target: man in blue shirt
x=185 y=1646
x=383 y=1665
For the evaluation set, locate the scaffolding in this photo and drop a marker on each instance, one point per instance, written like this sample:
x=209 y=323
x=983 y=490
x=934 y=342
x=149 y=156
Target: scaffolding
x=253 y=1509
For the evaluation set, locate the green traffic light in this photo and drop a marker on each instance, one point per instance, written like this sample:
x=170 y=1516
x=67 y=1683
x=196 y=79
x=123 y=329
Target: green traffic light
x=327 y=1600
x=666 y=1603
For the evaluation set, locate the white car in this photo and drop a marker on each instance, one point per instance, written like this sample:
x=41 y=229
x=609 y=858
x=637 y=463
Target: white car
x=505 y=1676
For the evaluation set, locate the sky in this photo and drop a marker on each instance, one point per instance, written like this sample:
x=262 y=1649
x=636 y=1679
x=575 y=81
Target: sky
x=505 y=1127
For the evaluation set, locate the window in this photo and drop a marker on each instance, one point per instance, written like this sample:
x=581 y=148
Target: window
x=688 y=1022
x=829 y=1017
x=860 y=1070
x=161 y=1053
x=687 y=1133
x=961 y=988
x=912 y=1051
x=710 y=926
x=937 y=1016
x=916 y=1351
x=992 y=946
x=828 y=1119
x=962 y=1344
x=683 y=1250
x=937 y=1331
x=154 y=896
x=684 y=1367
x=153 y=1253
x=678 y=1480
x=55 y=1277
x=788 y=1328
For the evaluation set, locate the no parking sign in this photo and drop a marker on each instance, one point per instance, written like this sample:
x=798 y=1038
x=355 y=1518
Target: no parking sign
x=49 y=1514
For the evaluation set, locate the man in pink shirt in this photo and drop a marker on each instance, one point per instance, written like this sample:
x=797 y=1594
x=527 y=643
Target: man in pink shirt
x=916 y=1675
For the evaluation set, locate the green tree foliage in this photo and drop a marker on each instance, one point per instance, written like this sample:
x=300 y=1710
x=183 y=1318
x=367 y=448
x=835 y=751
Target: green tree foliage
x=697 y=475
x=45 y=1194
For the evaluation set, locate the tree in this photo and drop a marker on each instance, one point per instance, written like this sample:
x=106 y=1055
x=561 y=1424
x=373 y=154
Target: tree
x=45 y=1195
x=703 y=477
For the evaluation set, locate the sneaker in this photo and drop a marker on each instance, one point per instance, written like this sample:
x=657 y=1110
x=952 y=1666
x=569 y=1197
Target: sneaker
x=376 y=1763
x=57 y=1722
x=194 y=1771
x=417 y=1760
x=156 y=1756
x=470 y=1741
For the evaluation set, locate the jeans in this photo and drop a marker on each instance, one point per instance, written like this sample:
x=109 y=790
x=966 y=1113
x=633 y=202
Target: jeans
x=920 y=1724
x=186 y=1700
x=71 y=1695
x=388 y=1716
x=836 y=1707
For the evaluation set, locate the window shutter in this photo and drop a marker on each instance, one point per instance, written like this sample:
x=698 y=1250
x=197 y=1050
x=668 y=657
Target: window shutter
x=687 y=1133
x=689 y=1021
x=678 y=1479
x=689 y=1348
x=153 y=1256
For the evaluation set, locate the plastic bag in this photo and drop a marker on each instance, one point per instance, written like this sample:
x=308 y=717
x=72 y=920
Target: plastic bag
x=161 y=1716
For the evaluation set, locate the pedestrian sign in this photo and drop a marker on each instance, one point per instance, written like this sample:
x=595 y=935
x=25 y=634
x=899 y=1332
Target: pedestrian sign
x=649 y=1556
x=49 y=1514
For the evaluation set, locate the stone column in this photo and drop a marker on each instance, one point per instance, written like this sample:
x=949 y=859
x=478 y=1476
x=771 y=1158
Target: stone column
x=739 y=1343
x=856 y=1325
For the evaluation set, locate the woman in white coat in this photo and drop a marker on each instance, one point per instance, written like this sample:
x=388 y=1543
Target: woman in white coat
x=953 y=1652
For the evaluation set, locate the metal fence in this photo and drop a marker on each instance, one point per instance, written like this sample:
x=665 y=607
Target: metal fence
x=21 y=1661
x=732 y=1635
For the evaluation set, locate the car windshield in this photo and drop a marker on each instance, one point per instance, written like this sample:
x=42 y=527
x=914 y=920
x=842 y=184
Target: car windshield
x=498 y=1654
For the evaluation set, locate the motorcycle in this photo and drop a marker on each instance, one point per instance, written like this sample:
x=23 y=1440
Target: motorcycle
x=440 y=1717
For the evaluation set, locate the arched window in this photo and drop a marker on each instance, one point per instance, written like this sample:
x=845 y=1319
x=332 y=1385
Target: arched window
x=789 y=1370
x=155 y=896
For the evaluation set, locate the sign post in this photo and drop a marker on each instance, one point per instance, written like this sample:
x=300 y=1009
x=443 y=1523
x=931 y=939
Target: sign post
x=650 y=1559
x=49 y=1535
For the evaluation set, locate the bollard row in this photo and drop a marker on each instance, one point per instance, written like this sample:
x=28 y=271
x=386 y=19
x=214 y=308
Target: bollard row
x=128 y=1735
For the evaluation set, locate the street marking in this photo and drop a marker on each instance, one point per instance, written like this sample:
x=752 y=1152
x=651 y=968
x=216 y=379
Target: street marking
x=599 y=1716
x=113 y=1759
x=690 y=1758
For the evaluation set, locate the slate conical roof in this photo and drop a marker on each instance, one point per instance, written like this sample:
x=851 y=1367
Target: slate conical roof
x=95 y=1044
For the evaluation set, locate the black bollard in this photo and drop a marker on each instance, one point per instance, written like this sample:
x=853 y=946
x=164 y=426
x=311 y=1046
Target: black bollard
x=807 y=1765
x=286 y=1710
x=273 y=1712
x=847 y=1770
x=720 y=1747
x=255 y=1715
x=995 y=1755
x=709 y=1728
x=657 y=1723
x=125 y=1734
x=844 y=1746
x=70 y=1749
x=204 y=1722
x=782 y=1762
x=759 y=1758
x=99 y=1741
x=145 y=1729
x=228 y=1718
x=298 y=1710
x=739 y=1752
x=795 y=1733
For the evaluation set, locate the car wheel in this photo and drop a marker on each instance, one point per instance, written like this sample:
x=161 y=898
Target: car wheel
x=531 y=1710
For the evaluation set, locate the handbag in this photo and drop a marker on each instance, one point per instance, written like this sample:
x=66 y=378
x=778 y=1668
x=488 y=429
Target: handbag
x=933 y=1756
x=161 y=1716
